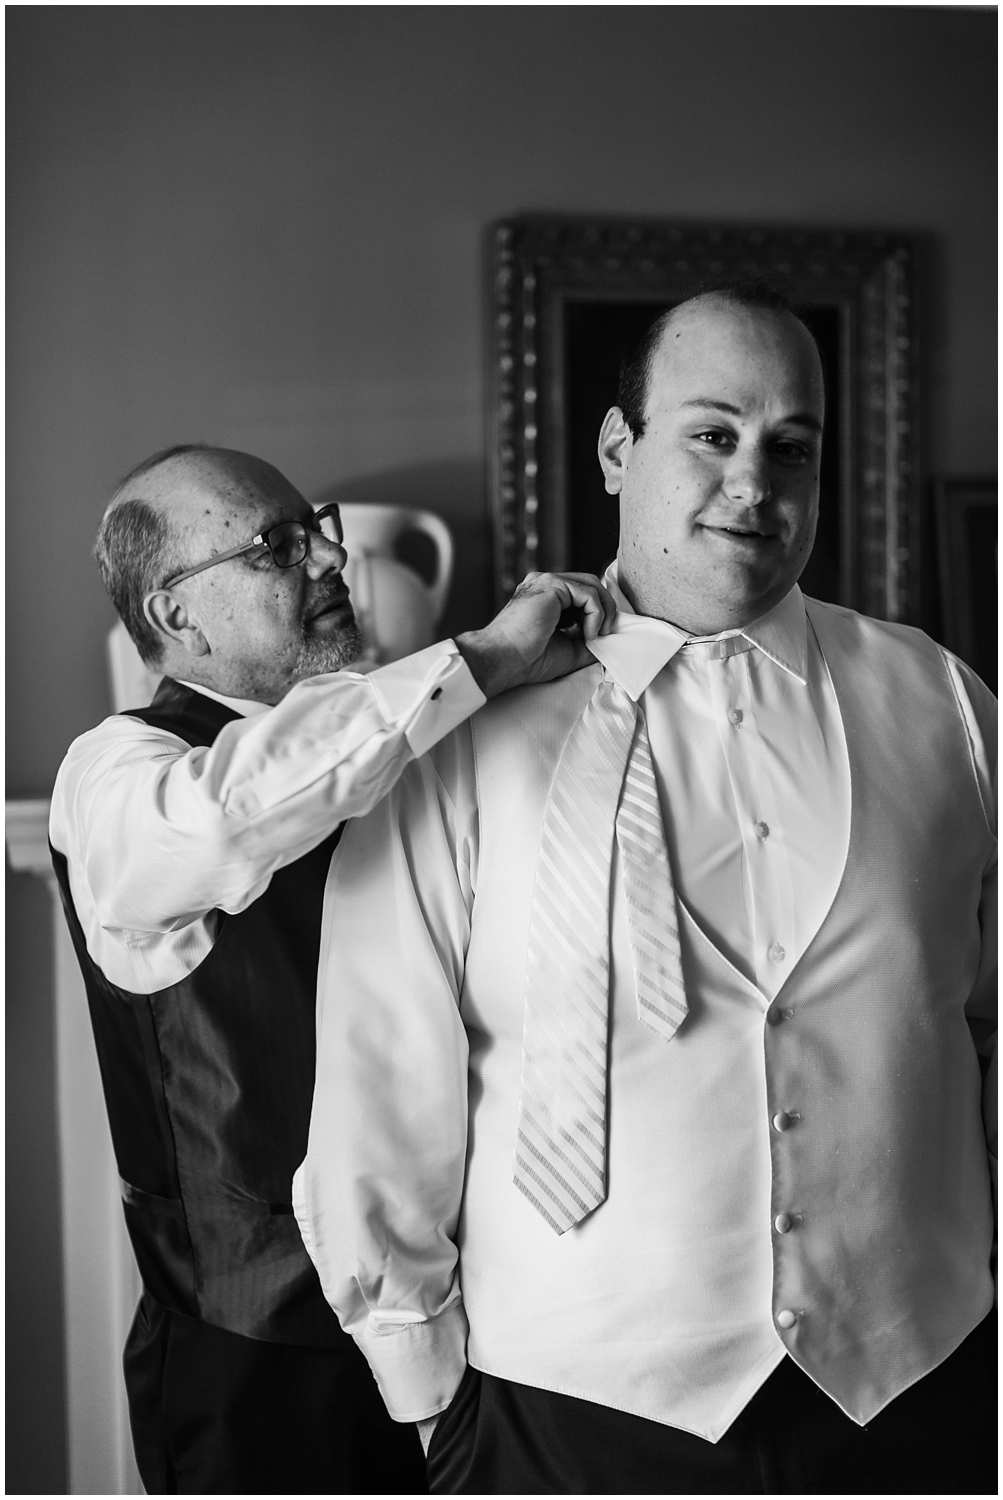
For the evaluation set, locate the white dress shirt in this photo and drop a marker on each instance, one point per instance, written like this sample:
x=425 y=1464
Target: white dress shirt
x=160 y=836
x=750 y=759
x=662 y=1301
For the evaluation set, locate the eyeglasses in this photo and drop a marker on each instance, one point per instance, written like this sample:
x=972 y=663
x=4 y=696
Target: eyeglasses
x=288 y=542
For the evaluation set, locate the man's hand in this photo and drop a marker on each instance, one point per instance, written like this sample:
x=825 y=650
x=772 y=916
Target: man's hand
x=523 y=642
x=425 y=1430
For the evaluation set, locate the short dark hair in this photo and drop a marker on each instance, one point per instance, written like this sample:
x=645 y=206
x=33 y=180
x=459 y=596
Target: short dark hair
x=635 y=366
x=136 y=550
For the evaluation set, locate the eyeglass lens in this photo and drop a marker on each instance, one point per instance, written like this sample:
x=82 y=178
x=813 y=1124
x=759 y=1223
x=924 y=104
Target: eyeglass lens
x=329 y=521
x=288 y=541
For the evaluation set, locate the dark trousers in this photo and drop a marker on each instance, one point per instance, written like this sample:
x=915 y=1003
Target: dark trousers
x=939 y=1437
x=214 y=1413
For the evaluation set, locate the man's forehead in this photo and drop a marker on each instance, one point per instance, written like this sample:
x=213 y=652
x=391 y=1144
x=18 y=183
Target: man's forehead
x=216 y=485
x=709 y=345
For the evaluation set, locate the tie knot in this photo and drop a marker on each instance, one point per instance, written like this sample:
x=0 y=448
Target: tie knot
x=611 y=696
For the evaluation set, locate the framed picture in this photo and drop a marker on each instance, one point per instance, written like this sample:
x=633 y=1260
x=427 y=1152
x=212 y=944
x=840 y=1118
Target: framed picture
x=967 y=550
x=569 y=294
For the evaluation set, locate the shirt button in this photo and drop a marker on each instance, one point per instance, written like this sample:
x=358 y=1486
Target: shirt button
x=437 y=695
x=776 y=953
x=783 y=1223
x=762 y=830
x=786 y=1318
x=735 y=715
x=782 y=1120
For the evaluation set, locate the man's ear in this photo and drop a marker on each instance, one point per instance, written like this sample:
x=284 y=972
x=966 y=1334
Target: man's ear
x=616 y=442
x=170 y=618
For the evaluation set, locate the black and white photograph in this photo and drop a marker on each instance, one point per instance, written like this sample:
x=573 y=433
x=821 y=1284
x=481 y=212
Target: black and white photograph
x=501 y=749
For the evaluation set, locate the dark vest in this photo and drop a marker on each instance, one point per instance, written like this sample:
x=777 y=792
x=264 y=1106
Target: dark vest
x=209 y=1084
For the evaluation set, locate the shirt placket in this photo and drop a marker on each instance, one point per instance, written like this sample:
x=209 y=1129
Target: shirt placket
x=766 y=867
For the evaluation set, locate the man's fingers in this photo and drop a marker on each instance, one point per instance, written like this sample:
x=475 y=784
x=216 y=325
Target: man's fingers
x=589 y=595
x=581 y=655
x=582 y=591
x=571 y=619
x=525 y=642
x=565 y=653
x=527 y=585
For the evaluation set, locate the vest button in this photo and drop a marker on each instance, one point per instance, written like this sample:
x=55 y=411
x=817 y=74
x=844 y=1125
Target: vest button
x=436 y=695
x=786 y=1318
x=774 y=1016
x=783 y=1223
x=782 y=1120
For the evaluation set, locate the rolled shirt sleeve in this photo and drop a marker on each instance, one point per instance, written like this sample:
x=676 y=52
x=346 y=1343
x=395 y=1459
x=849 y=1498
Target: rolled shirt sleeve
x=378 y=1195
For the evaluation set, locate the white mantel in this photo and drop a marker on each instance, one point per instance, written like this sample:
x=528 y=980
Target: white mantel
x=100 y=1279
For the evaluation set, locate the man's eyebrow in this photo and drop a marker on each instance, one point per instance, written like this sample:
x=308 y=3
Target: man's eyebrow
x=797 y=419
x=735 y=411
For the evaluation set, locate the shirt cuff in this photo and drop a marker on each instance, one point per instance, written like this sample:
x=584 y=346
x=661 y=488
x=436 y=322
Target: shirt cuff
x=419 y=1369
x=429 y=693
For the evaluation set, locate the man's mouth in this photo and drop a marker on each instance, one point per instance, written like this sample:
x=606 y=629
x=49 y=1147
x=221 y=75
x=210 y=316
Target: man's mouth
x=737 y=529
x=330 y=605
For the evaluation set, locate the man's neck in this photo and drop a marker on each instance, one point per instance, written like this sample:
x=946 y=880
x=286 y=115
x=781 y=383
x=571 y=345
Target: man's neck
x=700 y=621
x=236 y=687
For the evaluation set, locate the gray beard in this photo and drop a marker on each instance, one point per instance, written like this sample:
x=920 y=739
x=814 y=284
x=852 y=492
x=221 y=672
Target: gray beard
x=319 y=656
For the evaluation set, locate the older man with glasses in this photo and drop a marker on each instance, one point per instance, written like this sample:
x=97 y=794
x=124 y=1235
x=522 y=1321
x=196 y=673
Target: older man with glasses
x=191 y=840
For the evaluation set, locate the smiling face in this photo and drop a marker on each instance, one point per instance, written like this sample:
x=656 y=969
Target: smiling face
x=719 y=497
x=247 y=628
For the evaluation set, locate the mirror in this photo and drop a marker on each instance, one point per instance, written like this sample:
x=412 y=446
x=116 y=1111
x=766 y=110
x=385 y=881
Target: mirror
x=568 y=295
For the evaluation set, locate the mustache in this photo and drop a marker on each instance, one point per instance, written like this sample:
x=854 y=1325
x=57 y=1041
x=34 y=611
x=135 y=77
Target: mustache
x=329 y=595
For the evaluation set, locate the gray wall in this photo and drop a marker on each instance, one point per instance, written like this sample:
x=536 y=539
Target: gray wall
x=264 y=227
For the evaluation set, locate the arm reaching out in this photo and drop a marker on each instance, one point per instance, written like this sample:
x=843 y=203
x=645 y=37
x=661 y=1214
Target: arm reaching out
x=160 y=836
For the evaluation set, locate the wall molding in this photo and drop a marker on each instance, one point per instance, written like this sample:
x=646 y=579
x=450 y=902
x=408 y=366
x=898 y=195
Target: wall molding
x=100 y=1280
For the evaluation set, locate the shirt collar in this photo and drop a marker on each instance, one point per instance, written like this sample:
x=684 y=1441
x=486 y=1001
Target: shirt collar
x=639 y=646
x=246 y=707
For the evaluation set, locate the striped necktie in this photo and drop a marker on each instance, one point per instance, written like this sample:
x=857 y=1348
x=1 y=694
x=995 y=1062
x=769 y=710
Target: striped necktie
x=604 y=787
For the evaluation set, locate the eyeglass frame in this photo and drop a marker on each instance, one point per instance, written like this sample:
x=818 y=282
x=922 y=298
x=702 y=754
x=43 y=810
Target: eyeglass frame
x=262 y=541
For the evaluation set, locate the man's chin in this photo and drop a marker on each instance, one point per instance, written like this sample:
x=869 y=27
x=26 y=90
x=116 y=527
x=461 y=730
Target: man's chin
x=318 y=655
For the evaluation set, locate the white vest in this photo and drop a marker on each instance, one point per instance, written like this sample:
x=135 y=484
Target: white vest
x=886 y=1171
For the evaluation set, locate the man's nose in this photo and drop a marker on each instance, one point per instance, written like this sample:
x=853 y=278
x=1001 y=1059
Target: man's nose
x=747 y=478
x=323 y=555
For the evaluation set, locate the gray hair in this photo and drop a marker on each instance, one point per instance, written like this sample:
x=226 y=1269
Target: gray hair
x=136 y=551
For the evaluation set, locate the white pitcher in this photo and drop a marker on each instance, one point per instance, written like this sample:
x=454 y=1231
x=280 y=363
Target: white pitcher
x=397 y=610
x=133 y=683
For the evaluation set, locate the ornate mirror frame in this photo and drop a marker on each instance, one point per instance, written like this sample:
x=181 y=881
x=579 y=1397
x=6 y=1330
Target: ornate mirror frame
x=548 y=274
